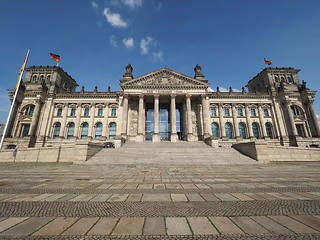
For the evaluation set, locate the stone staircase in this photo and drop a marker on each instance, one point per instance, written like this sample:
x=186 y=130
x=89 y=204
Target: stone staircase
x=169 y=153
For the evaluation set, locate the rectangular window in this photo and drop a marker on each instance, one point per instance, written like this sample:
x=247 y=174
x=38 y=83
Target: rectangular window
x=100 y=111
x=213 y=112
x=114 y=112
x=73 y=112
x=300 y=130
x=253 y=112
x=227 y=112
x=86 y=112
x=59 y=112
x=266 y=112
x=25 y=130
x=240 y=113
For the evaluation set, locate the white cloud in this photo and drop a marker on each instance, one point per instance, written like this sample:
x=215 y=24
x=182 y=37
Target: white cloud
x=132 y=3
x=210 y=89
x=223 y=89
x=114 y=18
x=157 y=56
x=318 y=116
x=145 y=45
x=129 y=43
x=113 y=41
x=115 y=3
x=94 y=5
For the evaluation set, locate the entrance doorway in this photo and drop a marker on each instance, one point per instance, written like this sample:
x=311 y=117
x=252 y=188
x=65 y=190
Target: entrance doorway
x=164 y=121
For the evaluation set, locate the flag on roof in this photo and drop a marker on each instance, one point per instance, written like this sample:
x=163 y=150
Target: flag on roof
x=267 y=62
x=55 y=57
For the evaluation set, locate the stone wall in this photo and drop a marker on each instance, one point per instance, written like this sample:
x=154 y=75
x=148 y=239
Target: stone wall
x=266 y=153
x=78 y=153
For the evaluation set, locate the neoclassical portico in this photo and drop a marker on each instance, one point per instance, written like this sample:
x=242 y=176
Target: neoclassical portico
x=168 y=106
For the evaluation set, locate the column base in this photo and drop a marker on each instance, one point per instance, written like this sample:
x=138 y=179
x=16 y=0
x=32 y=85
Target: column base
x=224 y=138
x=103 y=138
x=238 y=138
x=140 y=137
x=190 y=137
x=205 y=136
x=123 y=136
x=174 y=137
x=156 y=137
x=266 y=138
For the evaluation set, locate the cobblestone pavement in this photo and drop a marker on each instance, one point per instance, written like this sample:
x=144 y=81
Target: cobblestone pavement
x=65 y=201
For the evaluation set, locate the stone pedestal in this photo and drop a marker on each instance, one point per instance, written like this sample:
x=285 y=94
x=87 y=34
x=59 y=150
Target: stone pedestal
x=156 y=137
x=190 y=137
x=140 y=137
x=174 y=137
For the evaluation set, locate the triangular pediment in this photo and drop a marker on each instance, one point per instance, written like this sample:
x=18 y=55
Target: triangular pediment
x=164 y=78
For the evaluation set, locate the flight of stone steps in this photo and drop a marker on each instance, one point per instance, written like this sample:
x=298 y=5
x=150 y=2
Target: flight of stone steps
x=167 y=152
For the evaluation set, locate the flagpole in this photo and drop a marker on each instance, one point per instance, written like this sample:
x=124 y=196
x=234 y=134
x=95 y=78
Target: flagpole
x=13 y=102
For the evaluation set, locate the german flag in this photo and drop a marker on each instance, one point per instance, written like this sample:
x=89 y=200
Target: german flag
x=267 y=62
x=55 y=57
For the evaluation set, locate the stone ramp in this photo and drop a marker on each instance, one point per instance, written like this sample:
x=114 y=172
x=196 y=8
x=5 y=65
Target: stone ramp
x=167 y=152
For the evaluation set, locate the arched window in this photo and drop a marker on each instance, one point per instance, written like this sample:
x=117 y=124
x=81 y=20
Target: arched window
x=269 y=130
x=242 y=130
x=70 y=133
x=34 y=78
x=112 y=130
x=56 y=130
x=255 y=130
x=228 y=128
x=84 y=130
x=215 y=130
x=29 y=110
x=41 y=78
x=295 y=111
x=98 y=130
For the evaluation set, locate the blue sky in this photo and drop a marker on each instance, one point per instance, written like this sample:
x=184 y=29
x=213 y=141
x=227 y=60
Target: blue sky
x=97 y=39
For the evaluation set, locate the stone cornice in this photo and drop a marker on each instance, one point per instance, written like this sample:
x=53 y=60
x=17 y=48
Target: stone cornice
x=237 y=95
x=77 y=95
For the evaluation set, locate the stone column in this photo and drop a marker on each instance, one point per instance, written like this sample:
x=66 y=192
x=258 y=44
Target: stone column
x=279 y=120
x=35 y=118
x=63 y=122
x=249 y=123
x=125 y=117
x=140 y=136
x=190 y=137
x=105 y=125
x=235 y=122
x=291 y=119
x=262 y=122
x=314 y=118
x=173 y=119
x=206 y=117
x=45 y=122
x=91 y=131
x=77 y=123
x=156 y=135
x=221 y=123
x=16 y=124
x=14 y=118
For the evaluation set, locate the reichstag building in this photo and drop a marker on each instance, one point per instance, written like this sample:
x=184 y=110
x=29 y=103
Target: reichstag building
x=163 y=105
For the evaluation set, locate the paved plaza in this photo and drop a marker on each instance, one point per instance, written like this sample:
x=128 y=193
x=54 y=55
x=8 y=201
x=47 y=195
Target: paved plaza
x=149 y=201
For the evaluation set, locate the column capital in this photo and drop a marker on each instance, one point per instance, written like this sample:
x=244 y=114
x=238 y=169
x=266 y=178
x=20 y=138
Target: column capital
x=220 y=104
x=204 y=96
x=188 y=95
x=126 y=95
x=172 y=95
x=156 y=95
x=141 y=95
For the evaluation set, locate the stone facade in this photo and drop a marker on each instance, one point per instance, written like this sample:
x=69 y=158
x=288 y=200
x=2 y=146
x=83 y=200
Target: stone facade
x=161 y=105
